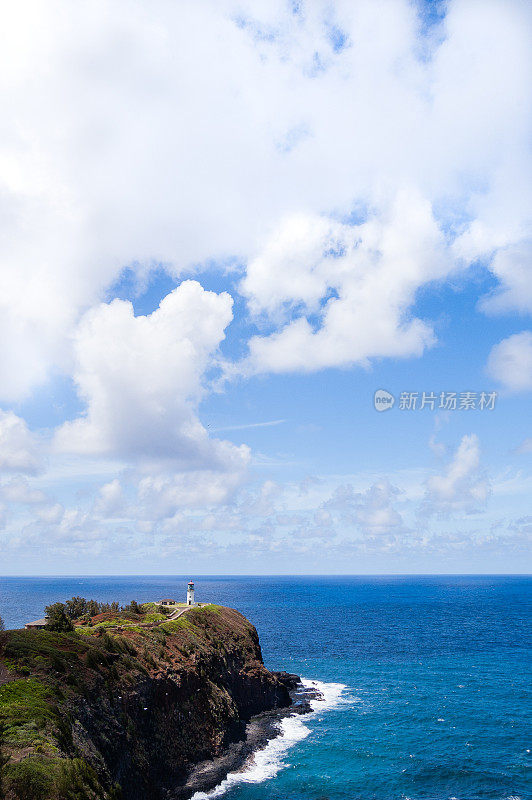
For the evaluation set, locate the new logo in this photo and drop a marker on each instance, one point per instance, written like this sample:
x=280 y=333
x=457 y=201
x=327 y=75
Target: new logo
x=383 y=400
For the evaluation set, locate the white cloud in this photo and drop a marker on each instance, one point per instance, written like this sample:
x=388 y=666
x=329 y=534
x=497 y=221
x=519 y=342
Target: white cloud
x=18 y=490
x=525 y=446
x=376 y=513
x=513 y=267
x=350 y=287
x=510 y=362
x=338 y=523
x=161 y=496
x=264 y=501
x=19 y=450
x=373 y=510
x=258 y=133
x=50 y=515
x=174 y=133
x=248 y=425
x=110 y=499
x=438 y=448
x=142 y=378
x=463 y=486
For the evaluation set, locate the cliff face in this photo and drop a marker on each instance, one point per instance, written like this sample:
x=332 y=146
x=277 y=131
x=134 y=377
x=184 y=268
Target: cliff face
x=121 y=709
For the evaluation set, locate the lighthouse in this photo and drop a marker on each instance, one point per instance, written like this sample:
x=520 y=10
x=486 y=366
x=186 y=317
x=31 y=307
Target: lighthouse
x=190 y=593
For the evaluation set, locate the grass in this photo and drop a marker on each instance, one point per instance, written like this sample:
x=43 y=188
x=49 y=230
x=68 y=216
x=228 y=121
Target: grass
x=28 y=712
x=173 y=625
x=40 y=651
x=211 y=607
x=90 y=630
x=154 y=617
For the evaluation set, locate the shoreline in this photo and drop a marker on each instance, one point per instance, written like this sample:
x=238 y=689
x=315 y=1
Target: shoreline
x=260 y=730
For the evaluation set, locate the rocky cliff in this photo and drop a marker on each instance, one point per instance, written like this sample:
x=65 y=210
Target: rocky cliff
x=125 y=707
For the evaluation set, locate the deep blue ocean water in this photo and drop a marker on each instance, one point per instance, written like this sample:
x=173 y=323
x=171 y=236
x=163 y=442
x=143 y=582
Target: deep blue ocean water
x=436 y=674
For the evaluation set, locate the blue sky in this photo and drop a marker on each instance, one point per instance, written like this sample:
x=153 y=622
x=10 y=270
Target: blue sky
x=214 y=259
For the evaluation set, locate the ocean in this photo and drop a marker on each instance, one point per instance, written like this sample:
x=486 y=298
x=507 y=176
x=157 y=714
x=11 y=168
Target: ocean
x=426 y=680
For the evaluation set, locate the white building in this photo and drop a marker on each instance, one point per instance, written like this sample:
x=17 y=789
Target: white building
x=190 y=593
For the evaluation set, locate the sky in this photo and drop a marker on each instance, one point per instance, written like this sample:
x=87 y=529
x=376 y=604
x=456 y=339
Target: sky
x=224 y=227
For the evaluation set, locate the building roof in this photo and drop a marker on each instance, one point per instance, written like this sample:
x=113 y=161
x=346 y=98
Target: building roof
x=38 y=622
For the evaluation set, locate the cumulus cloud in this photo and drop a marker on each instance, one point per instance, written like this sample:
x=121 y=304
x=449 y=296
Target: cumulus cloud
x=129 y=148
x=343 y=154
x=18 y=490
x=51 y=514
x=142 y=378
x=510 y=362
x=110 y=499
x=462 y=486
x=161 y=496
x=513 y=267
x=373 y=511
x=350 y=287
x=19 y=449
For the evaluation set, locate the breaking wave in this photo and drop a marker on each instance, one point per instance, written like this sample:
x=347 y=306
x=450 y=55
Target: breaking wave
x=266 y=763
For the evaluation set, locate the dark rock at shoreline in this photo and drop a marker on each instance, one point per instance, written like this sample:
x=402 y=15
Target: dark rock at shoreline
x=210 y=773
x=259 y=731
x=301 y=698
x=288 y=679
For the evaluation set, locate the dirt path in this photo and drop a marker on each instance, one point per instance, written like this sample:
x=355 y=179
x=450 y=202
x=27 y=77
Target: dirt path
x=177 y=614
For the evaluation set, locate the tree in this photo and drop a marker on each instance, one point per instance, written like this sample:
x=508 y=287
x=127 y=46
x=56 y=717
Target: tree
x=2 y=626
x=76 y=607
x=57 y=618
x=133 y=608
x=93 y=608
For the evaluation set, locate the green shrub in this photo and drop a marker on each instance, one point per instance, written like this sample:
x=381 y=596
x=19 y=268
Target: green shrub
x=76 y=780
x=30 y=779
x=126 y=645
x=57 y=663
x=94 y=659
x=109 y=643
x=38 y=778
x=26 y=706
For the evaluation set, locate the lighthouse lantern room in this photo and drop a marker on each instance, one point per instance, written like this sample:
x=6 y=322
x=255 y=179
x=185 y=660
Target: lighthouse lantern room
x=190 y=593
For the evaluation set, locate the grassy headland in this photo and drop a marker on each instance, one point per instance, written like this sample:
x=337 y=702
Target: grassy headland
x=125 y=703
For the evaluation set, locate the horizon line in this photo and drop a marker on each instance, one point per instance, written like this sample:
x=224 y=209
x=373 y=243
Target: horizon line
x=275 y=575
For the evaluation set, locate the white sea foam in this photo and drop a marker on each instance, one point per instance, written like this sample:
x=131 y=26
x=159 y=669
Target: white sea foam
x=330 y=692
x=266 y=763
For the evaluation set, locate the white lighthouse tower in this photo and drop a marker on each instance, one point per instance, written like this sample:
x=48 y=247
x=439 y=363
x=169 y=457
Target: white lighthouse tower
x=190 y=593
